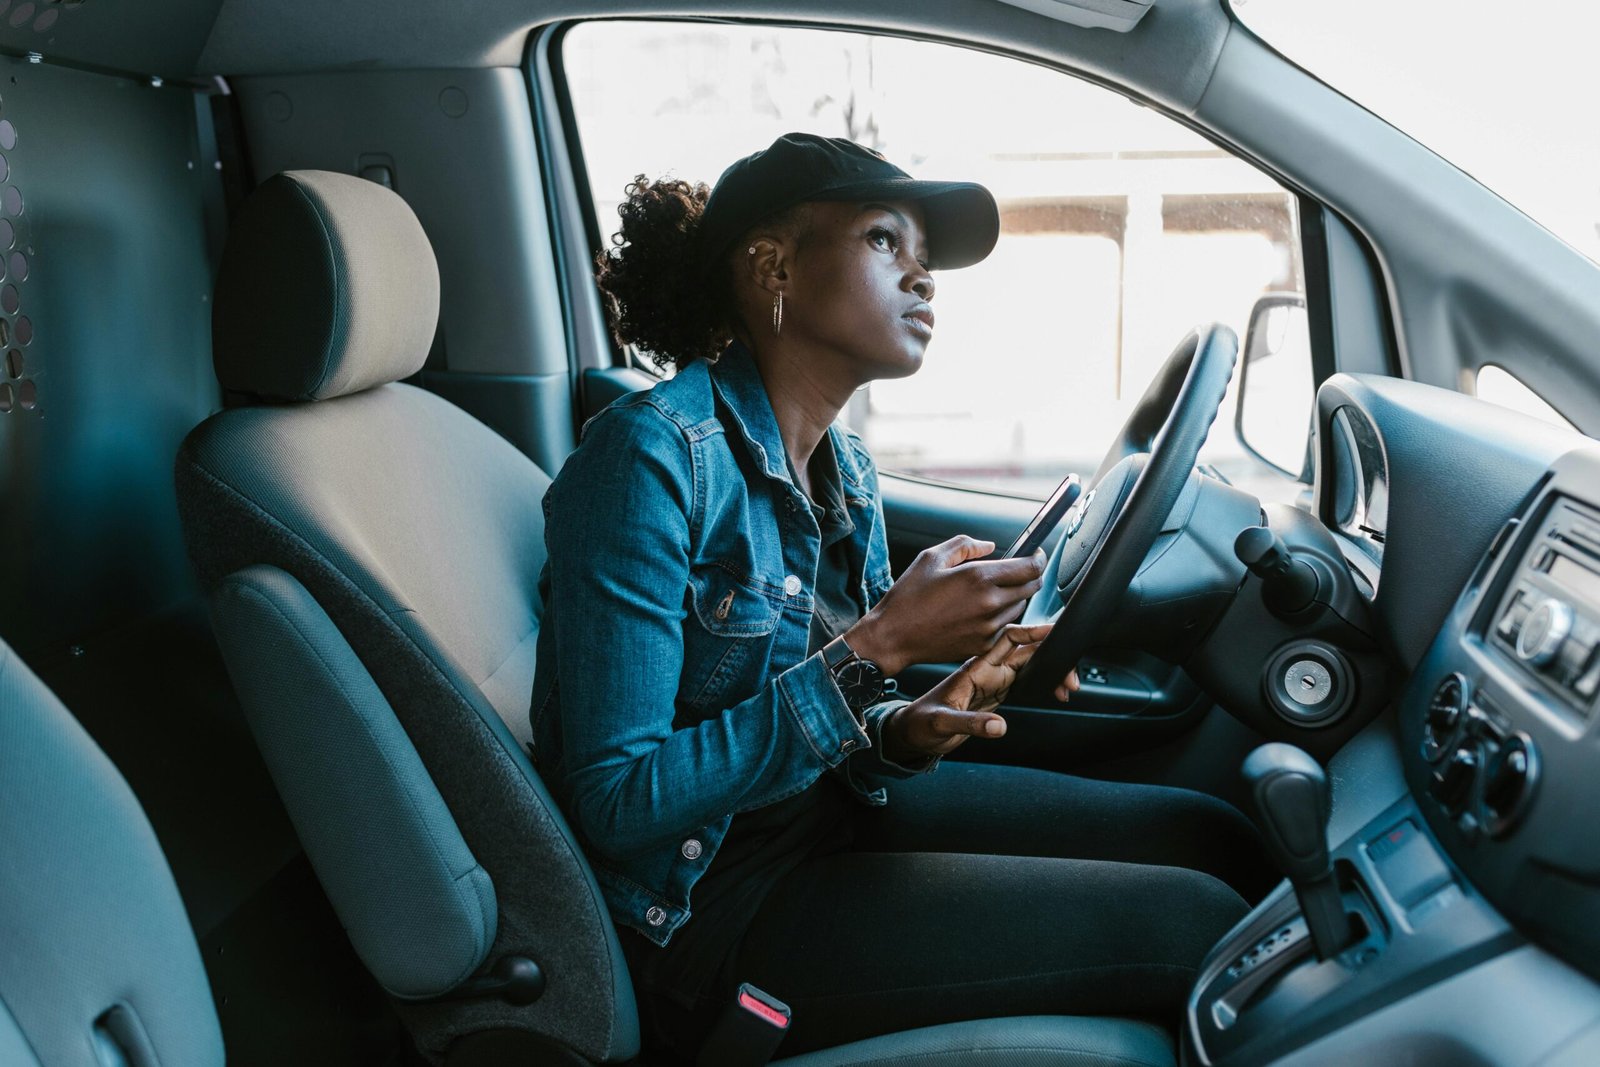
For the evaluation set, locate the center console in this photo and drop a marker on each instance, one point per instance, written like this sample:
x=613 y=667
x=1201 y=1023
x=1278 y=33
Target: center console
x=1469 y=864
x=1266 y=991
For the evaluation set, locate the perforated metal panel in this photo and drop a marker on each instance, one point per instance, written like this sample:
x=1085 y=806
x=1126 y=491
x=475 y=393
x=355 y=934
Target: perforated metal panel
x=104 y=344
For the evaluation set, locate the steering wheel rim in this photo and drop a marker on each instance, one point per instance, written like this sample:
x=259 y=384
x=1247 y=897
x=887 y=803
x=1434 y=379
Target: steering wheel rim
x=1191 y=385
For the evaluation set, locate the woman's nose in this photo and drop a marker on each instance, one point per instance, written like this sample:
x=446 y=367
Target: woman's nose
x=922 y=284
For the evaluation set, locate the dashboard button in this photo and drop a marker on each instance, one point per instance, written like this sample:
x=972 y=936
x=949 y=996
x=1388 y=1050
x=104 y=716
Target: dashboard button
x=1511 y=622
x=1588 y=682
x=1408 y=864
x=1574 y=657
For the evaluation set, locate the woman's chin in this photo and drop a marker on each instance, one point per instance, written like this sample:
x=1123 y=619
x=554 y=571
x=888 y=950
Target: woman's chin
x=906 y=365
x=895 y=360
x=909 y=358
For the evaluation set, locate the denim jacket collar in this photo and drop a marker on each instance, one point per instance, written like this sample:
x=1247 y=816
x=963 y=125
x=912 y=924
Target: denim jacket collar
x=738 y=382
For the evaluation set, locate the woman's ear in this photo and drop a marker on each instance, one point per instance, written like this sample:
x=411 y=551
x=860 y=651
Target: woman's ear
x=766 y=263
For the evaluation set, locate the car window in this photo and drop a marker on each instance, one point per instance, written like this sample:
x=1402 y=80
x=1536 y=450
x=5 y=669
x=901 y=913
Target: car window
x=1120 y=228
x=1499 y=386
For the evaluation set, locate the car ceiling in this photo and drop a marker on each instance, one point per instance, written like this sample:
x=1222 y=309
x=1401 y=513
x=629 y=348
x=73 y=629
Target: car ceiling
x=1170 y=55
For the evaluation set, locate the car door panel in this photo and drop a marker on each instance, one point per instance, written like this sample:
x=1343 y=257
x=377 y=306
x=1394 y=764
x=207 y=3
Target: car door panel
x=918 y=514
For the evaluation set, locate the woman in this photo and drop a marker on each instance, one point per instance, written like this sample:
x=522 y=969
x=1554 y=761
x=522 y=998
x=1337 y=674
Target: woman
x=710 y=707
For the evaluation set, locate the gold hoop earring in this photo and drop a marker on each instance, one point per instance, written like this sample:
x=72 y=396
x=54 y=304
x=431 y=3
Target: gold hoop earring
x=777 y=314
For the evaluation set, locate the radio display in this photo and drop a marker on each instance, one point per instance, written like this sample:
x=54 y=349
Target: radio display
x=1576 y=577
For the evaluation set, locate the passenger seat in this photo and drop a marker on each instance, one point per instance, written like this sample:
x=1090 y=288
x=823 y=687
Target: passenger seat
x=98 y=963
x=372 y=555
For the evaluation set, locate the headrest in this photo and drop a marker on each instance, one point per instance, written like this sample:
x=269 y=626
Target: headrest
x=328 y=286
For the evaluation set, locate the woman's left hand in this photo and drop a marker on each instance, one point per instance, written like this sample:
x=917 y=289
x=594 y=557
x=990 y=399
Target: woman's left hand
x=963 y=704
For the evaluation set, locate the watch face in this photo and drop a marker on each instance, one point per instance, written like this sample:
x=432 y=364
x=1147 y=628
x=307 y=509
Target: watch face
x=861 y=682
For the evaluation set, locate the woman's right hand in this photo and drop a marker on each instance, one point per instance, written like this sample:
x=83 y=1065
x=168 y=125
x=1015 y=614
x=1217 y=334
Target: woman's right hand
x=965 y=703
x=949 y=605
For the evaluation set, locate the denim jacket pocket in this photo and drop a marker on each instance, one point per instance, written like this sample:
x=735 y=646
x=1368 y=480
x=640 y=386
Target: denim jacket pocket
x=726 y=637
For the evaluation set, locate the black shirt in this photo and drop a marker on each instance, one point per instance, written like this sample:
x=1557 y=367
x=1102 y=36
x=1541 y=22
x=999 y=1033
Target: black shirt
x=763 y=845
x=838 y=604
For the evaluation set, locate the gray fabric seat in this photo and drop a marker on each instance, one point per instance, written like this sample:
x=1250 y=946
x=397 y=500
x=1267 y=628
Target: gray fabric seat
x=98 y=963
x=372 y=555
x=1031 y=1041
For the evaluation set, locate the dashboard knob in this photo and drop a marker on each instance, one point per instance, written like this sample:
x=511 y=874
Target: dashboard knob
x=1452 y=782
x=1509 y=783
x=1547 y=627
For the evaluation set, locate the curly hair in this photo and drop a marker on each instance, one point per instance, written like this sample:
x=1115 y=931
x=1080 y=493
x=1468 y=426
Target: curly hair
x=655 y=294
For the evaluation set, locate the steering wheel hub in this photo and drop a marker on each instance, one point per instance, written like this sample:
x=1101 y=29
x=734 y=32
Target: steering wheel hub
x=1086 y=528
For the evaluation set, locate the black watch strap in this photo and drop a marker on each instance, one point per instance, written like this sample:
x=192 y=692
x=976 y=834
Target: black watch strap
x=836 y=652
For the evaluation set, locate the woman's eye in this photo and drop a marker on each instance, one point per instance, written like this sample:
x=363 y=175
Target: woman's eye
x=883 y=240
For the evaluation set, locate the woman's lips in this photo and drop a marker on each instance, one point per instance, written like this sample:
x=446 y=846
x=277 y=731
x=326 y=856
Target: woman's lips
x=921 y=317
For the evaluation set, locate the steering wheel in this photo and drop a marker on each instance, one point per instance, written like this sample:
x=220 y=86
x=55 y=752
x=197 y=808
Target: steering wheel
x=1115 y=523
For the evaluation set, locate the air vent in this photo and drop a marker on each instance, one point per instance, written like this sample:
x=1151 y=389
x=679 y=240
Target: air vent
x=1444 y=716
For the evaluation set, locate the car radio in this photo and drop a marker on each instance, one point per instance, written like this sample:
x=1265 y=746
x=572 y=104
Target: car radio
x=1549 y=619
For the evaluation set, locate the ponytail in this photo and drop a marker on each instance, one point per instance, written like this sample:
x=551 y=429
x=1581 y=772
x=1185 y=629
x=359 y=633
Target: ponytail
x=658 y=295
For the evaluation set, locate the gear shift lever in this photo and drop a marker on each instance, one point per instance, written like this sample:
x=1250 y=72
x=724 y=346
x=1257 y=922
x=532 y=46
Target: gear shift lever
x=1291 y=792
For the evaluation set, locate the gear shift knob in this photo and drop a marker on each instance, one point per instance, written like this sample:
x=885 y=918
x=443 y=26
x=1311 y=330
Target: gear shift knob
x=1291 y=796
x=1290 y=791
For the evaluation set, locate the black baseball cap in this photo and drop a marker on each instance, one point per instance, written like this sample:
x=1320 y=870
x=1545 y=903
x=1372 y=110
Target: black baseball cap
x=963 y=221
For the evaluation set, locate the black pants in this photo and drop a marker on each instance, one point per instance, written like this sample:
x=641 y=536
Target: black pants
x=984 y=891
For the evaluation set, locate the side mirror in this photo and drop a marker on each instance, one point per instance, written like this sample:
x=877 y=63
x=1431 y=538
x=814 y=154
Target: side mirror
x=1272 y=419
x=1270 y=320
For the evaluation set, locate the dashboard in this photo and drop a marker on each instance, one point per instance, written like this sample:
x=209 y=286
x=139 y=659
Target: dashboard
x=1460 y=830
x=1498 y=731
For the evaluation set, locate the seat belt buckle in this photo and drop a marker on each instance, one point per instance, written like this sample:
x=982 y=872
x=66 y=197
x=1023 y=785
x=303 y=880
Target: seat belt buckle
x=748 y=1032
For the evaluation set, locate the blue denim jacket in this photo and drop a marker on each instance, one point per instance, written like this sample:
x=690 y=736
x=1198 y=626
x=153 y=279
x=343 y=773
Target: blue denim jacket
x=673 y=687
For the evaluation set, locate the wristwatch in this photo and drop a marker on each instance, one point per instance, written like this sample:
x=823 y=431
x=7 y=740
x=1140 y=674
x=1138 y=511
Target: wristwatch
x=861 y=681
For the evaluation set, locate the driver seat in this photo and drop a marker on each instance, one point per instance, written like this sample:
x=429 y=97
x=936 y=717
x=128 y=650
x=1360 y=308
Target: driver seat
x=372 y=555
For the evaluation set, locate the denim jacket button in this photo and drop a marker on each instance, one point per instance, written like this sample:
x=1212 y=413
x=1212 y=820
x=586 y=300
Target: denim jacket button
x=691 y=849
x=849 y=746
x=655 y=916
x=791 y=585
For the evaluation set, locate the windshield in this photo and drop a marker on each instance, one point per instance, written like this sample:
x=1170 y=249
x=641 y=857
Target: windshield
x=1503 y=91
